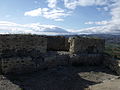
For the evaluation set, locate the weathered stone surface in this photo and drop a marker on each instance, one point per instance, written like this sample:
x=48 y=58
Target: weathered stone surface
x=11 y=44
x=21 y=53
x=113 y=64
x=50 y=61
x=56 y=60
x=21 y=64
x=57 y=43
x=86 y=45
x=86 y=59
x=62 y=59
x=27 y=53
x=108 y=85
x=17 y=65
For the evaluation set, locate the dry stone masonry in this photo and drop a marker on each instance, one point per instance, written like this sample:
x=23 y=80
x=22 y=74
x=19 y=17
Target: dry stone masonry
x=57 y=43
x=86 y=45
x=20 y=53
x=29 y=53
x=113 y=64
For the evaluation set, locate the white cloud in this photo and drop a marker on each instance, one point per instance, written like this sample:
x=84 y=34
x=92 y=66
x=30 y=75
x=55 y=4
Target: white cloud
x=112 y=26
x=37 y=28
x=105 y=8
x=107 y=29
x=34 y=28
x=52 y=3
x=102 y=23
x=36 y=12
x=115 y=12
x=89 y=22
x=98 y=22
x=7 y=23
x=72 y=4
x=54 y=14
x=57 y=14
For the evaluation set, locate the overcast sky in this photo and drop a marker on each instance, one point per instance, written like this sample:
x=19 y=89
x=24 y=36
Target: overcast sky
x=60 y=16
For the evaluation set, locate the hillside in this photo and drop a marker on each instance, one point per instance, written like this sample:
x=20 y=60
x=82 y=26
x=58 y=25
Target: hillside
x=112 y=43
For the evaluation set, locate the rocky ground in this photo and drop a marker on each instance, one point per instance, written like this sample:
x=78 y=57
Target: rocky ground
x=107 y=85
x=60 y=78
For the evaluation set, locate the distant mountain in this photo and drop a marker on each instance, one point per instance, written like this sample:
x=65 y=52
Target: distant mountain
x=108 y=37
x=34 y=28
x=40 y=29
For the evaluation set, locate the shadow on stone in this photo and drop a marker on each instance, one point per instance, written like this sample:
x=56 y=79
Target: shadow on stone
x=60 y=78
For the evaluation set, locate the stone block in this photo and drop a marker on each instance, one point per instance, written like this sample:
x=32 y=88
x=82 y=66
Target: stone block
x=17 y=65
x=86 y=45
x=113 y=64
x=10 y=45
x=57 y=43
x=62 y=60
x=85 y=59
x=74 y=58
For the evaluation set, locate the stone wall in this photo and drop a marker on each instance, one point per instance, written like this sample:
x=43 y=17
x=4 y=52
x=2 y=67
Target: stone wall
x=56 y=60
x=28 y=64
x=28 y=53
x=65 y=58
x=57 y=43
x=20 y=53
x=86 y=45
x=17 y=65
x=17 y=43
x=112 y=63
x=86 y=59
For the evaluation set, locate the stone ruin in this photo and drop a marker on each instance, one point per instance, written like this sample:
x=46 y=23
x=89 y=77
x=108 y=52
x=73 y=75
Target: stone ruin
x=20 y=53
x=29 y=53
x=86 y=45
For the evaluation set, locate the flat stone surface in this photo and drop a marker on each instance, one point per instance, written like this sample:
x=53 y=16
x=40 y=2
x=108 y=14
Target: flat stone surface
x=6 y=84
x=107 y=85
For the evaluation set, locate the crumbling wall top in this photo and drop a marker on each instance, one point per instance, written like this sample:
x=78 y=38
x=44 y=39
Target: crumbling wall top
x=16 y=44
